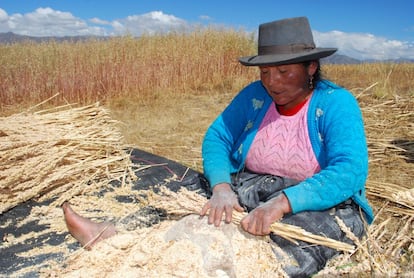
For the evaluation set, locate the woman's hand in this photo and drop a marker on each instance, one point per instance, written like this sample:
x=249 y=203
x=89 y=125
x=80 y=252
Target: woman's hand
x=259 y=220
x=222 y=201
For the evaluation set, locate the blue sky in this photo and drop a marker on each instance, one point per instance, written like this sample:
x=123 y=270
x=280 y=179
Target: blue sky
x=361 y=29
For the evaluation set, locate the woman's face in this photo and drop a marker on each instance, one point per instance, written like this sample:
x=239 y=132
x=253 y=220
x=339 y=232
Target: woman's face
x=288 y=85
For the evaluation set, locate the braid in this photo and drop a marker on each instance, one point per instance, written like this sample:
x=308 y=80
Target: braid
x=318 y=73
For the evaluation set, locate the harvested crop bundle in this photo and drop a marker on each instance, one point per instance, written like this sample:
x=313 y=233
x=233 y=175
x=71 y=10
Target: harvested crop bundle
x=58 y=154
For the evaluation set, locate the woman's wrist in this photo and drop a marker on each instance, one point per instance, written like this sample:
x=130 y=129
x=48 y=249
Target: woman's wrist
x=222 y=187
x=281 y=202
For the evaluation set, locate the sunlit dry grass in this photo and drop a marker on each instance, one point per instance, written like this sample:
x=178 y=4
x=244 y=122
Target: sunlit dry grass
x=143 y=68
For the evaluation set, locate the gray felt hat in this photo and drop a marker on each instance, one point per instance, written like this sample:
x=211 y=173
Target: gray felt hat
x=286 y=41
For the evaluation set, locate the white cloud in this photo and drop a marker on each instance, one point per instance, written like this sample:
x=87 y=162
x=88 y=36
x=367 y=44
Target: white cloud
x=99 y=21
x=3 y=15
x=4 y=18
x=149 y=23
x=48 y=22
x=364 y=46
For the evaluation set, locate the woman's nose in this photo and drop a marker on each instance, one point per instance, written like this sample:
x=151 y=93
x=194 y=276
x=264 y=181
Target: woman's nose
x=273 y=77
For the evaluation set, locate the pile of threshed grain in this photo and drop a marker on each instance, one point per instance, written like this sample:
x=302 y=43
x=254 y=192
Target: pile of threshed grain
x=188 y=247
x=58 y=154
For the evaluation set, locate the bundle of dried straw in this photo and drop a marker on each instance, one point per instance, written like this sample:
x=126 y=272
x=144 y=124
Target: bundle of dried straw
x=58 y=154
x=401 y=198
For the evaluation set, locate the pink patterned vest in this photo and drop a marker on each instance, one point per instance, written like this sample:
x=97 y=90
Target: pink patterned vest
x=282 y=146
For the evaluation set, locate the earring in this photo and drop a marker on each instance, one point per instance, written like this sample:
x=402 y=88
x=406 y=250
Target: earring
x=311 y=82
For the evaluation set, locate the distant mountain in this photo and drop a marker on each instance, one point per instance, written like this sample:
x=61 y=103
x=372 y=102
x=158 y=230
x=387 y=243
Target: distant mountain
x=343 y=59
x=10 y=37
x=395 y=61
x=340 y=59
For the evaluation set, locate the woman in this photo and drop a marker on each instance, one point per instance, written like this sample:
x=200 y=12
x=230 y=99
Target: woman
x=290 y=147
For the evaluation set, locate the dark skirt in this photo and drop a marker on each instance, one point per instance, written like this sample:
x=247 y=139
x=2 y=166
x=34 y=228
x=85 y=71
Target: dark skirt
x=306 y=259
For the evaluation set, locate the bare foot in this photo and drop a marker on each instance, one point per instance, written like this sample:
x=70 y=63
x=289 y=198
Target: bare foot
x=87 y=232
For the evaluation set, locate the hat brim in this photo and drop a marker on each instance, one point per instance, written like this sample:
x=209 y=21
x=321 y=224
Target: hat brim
x=291 y=58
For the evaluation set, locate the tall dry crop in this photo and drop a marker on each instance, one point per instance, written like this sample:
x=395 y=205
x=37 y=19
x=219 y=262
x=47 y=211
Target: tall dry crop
x=86 y=72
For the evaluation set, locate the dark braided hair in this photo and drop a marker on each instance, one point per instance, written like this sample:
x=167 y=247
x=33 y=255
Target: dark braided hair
x=318 y=73
x=318 y=76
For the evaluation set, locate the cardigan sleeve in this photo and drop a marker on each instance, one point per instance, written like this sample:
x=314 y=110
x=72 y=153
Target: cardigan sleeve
x=220 y=141
x=340 y=129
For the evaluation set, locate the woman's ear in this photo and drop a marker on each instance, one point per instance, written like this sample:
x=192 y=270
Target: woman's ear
x=313 y=66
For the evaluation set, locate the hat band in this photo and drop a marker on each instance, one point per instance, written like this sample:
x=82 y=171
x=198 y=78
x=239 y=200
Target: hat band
x=284 y=49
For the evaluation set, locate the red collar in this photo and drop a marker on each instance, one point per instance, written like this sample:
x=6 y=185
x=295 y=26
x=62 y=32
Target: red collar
x=291 y=111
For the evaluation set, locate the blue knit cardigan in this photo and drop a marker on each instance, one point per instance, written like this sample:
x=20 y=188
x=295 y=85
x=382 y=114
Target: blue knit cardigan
x=336 y=132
